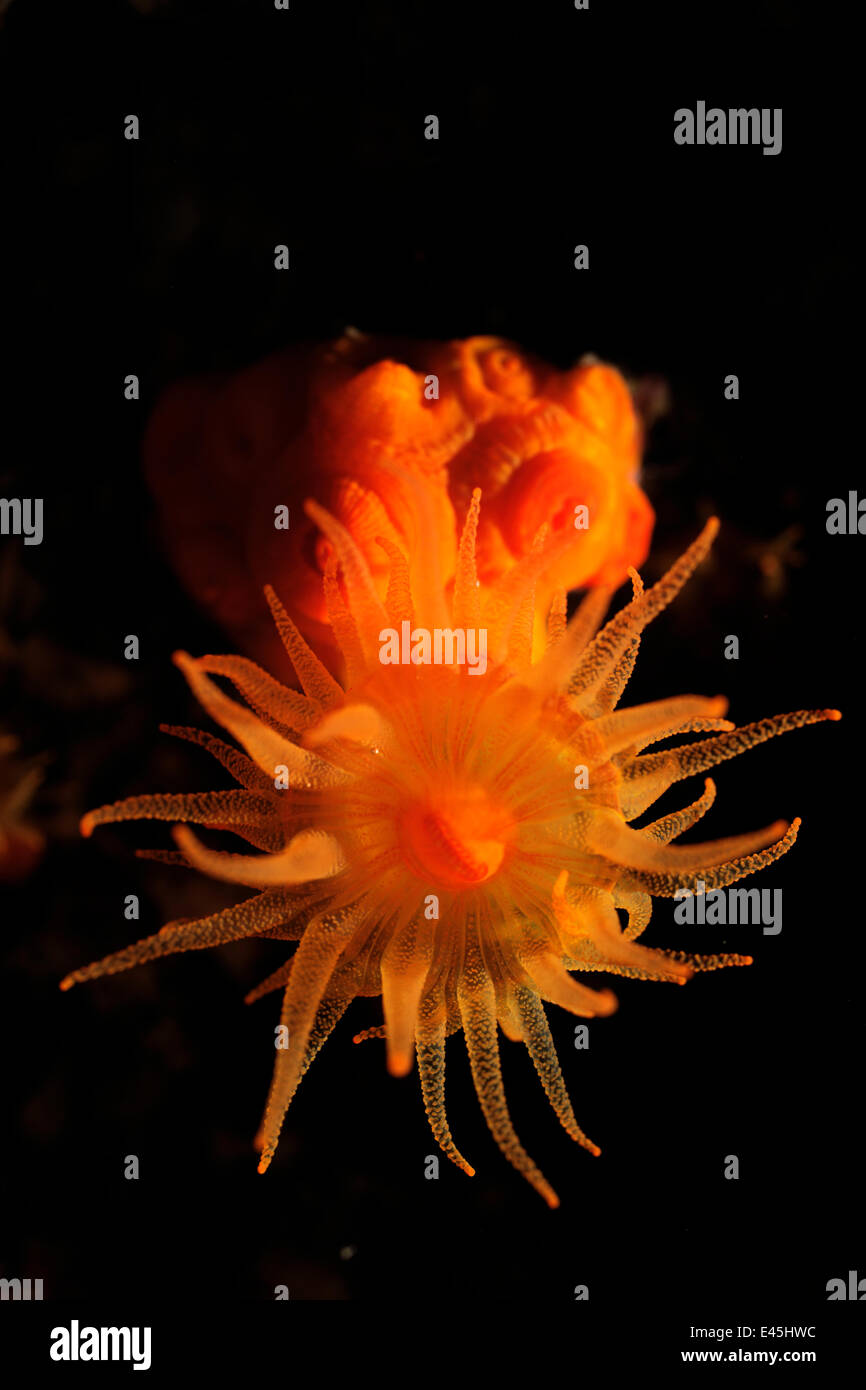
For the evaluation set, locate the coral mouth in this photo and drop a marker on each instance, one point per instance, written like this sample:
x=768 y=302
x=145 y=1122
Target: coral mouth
x=457 y=842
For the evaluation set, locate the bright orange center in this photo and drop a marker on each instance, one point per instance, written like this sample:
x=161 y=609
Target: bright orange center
x=455 y=840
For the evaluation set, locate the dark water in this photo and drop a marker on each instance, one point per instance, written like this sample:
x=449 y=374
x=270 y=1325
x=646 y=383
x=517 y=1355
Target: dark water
x=156 y=257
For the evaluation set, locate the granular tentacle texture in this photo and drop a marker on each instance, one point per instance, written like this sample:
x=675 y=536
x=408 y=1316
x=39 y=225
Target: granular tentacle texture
x=539 y=1042
x=430 y=1047
x=314 y=963
x=250 y=918
x=452 y=838
x=478 y=1012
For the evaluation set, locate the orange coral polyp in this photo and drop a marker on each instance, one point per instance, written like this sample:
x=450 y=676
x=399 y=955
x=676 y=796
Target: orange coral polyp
x=407 y=781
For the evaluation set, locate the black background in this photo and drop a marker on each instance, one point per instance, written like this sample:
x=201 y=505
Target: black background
x=156 y=257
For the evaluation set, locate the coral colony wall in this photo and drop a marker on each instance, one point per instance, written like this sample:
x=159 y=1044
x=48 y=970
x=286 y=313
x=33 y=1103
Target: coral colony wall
x=448 y=450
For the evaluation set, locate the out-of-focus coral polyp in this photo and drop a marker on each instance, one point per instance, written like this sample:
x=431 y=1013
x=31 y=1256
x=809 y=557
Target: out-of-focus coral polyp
x=335 y=422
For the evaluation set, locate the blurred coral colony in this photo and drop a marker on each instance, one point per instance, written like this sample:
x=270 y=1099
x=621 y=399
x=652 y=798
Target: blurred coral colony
x=391 y=437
